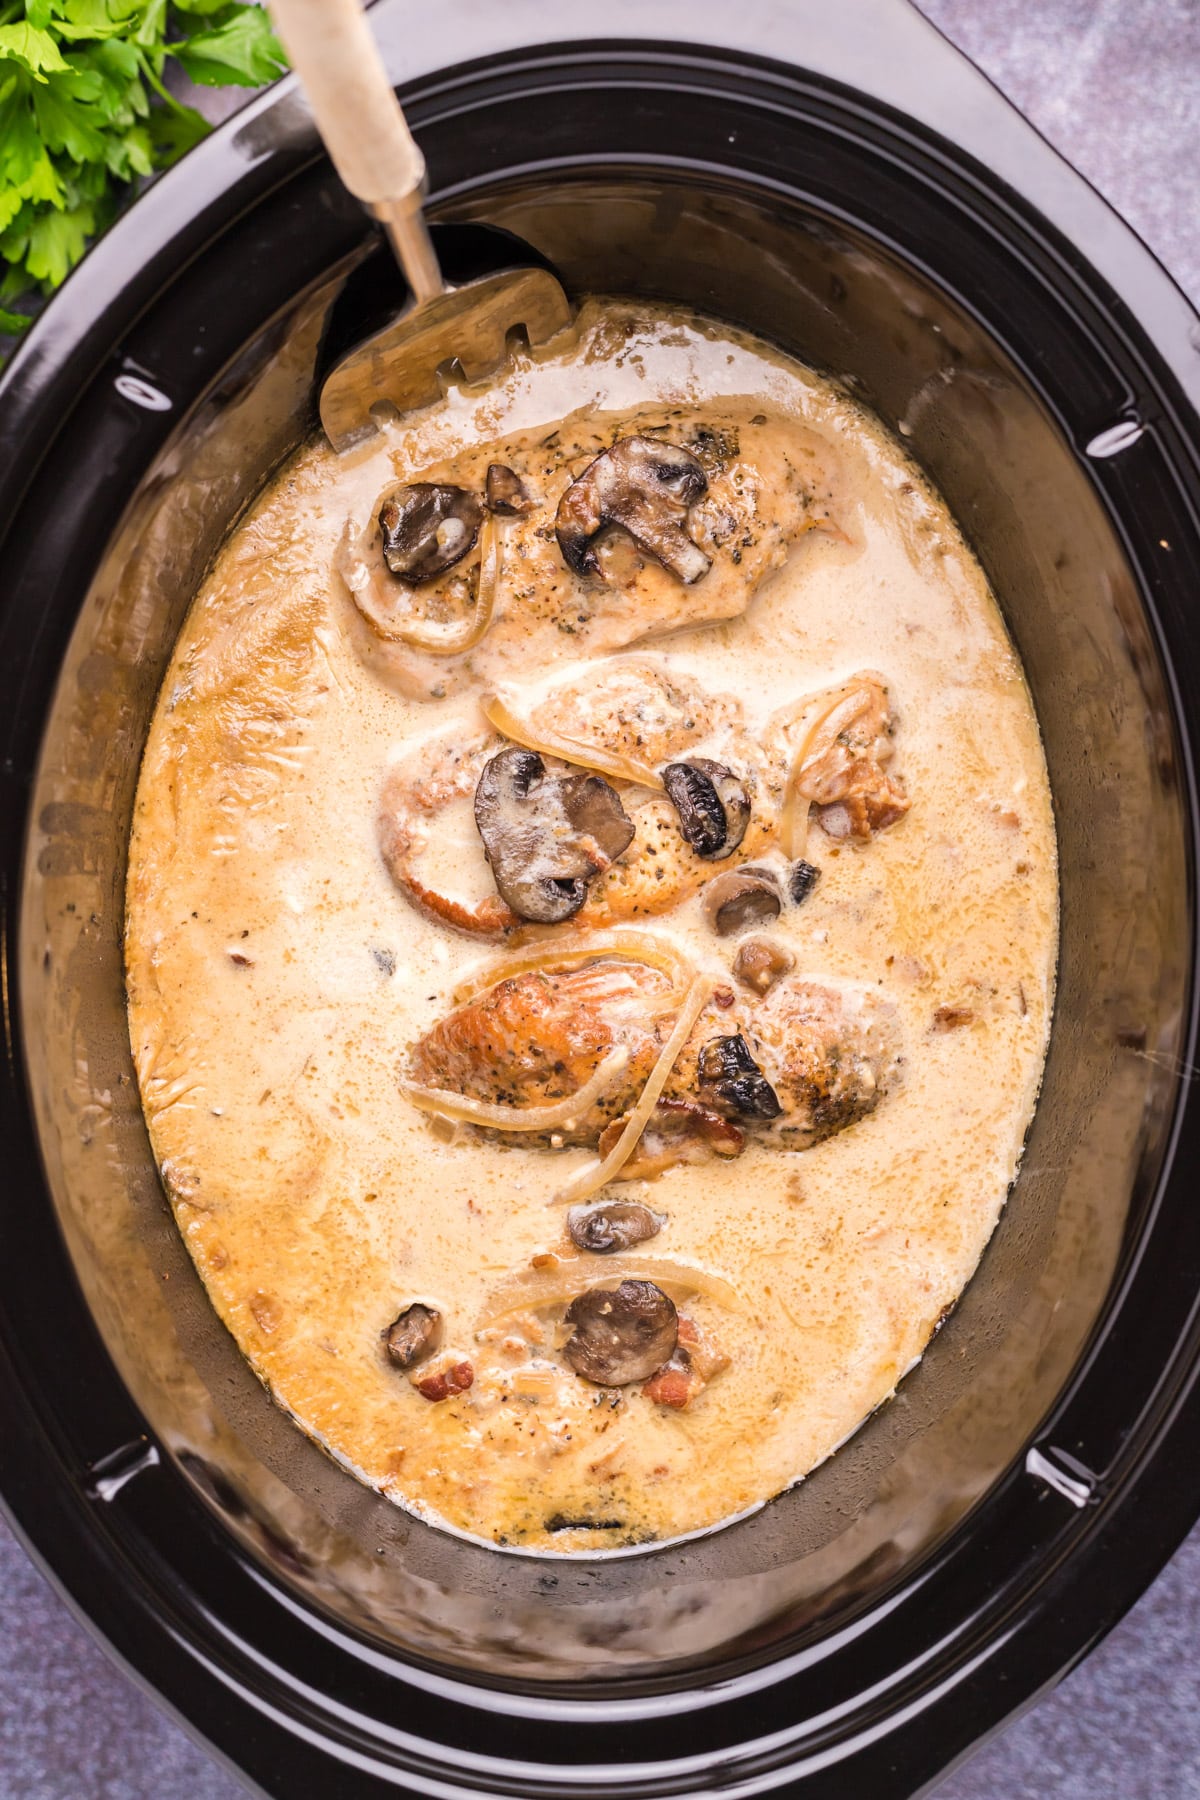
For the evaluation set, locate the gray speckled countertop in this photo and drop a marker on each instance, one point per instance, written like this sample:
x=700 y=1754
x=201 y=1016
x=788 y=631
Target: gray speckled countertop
x=1115 y=84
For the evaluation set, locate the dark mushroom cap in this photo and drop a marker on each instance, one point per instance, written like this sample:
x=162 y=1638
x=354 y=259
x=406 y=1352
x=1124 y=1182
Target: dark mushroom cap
x=427 y=528
x=713 y=805
x=730 y=1078
x=621 y=1334
x=760 y=963
x=802 y=879
x=547 y=836
x=413 y=1336
x=741 y=898
x=612 y=1225
x=504 y=491
x=646 y=487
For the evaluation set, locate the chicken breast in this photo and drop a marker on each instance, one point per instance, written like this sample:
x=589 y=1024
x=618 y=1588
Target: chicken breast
x=805 y=1063
x=759 y=494
x=832 y=1054
x=632 y=710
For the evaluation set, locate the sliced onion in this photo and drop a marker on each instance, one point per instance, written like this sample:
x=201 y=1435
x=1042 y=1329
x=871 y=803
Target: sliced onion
x=826 y=731
x=572 y=952
x=572 y=1275
x=793 y=822
x=377 y=602
x=449 y=1105
x=499 y=713
x=595 y=1174
x=822 y=733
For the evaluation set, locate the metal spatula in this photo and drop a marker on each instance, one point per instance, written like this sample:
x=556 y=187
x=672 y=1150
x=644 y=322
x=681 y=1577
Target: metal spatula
x=444 y=329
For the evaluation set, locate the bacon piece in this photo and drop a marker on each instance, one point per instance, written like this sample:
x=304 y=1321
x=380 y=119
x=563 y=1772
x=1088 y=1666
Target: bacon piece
x=697 y=1359
x=440 y=1384
x=679 y=1131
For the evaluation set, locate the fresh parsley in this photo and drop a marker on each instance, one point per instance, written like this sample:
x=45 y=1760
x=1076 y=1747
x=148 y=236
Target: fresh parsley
x=85 y=114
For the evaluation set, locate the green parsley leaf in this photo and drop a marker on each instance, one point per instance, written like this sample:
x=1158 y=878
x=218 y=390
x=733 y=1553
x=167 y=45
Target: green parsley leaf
x=241 y=51
x=86 y=115
x=31 y=49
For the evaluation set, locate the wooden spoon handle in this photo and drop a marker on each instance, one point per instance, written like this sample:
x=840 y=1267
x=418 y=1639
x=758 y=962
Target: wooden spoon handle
x=330 y=46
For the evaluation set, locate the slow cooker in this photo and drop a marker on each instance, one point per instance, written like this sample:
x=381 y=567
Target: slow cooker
x=842 y=182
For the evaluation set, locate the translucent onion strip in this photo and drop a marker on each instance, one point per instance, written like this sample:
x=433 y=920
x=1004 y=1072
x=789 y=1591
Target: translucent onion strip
x=594 y=1175
x=826 y=731
x=822 y=733
x=449 y=1105
x=793 y=822
x=572 y=952
x=499 y=713
x=375 y=595
x=571 y=1275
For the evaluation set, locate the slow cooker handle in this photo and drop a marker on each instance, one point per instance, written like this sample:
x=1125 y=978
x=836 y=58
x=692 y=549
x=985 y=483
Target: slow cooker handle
x=330 y=46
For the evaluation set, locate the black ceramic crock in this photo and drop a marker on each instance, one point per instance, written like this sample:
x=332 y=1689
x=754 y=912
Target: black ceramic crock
x=842 y=182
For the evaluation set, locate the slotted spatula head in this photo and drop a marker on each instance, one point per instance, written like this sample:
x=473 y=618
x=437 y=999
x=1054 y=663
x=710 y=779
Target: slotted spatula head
x=461 y=331
x=462 y=334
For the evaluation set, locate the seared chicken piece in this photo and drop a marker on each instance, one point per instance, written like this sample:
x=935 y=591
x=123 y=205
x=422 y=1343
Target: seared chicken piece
x=539 y=1037
x=637 y=712
x=804 y=1063
x=831 y=1053
x=668 y=521
x=843 y=744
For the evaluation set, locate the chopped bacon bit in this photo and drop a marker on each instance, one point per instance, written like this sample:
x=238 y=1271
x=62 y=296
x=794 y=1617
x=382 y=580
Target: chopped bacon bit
x=704 y=1352
x=949 y=1018
x=671 y=1386
x=696 y=1360
x=455 y=1379
x=723 y=997
x=678 y=1131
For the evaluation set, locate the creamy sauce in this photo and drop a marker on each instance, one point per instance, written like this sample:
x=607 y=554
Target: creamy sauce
x=277 y=979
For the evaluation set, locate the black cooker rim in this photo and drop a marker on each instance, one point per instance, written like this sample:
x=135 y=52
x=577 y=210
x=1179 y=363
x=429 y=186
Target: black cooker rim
x=92 y=1548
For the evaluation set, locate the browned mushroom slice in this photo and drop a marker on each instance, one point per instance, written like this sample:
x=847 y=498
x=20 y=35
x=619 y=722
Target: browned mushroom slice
x=547 y=836
x=621 y=1334
x=739 y=899
x=712 y=803
x=645 y=487
x=504 y=491
x=760 y=963
x=802 y=879
x=612 y=1225
x=427 y=528
x=730 y=1079
x=413 y=1336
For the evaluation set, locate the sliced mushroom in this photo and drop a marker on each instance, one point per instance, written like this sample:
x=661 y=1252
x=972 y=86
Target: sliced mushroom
x=760 y=963
x=427 y=528
x=713 y=805
x=730 y=1078
x=644 y=486
x=741 y=898
x=413 y=1336
x=504 y=492
x=621 y=1334
x=612 y=1225
x=802 y=879
x=547 y=836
